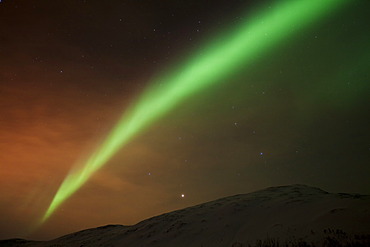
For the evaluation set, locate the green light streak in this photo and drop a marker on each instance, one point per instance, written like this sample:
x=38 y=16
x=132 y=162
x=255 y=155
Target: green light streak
x=258 y=35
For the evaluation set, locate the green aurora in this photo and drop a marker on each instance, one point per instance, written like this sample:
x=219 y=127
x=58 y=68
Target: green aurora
x=266 y=29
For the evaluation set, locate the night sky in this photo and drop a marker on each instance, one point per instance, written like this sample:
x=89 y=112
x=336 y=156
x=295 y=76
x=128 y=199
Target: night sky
x=299 y=113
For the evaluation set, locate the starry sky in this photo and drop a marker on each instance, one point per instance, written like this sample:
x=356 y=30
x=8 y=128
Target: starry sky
x=69 y=69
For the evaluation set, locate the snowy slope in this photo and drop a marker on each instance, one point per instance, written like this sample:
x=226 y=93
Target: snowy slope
x=288 y=214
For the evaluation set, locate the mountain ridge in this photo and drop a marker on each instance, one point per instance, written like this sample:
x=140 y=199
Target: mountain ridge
x=290 y=214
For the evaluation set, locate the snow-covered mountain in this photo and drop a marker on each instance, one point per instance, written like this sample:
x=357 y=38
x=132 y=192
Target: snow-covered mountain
x=296 y=215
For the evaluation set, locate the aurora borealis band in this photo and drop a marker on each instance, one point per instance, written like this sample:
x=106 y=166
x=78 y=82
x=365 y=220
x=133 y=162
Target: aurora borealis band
x=219 y=60
x=290 y=109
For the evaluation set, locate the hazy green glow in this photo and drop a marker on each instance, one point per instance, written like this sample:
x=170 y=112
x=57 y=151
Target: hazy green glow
x=259 y=34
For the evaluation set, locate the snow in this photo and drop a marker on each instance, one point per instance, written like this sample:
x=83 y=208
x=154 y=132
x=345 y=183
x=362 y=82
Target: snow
x=286 y=214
